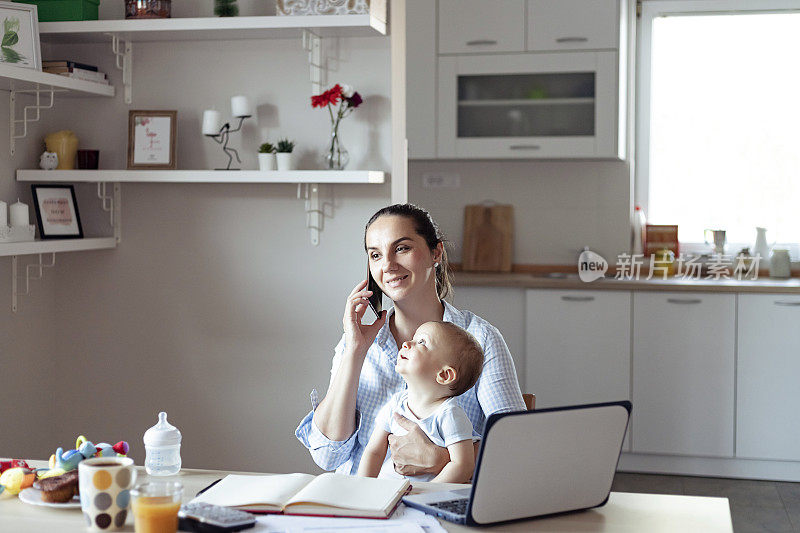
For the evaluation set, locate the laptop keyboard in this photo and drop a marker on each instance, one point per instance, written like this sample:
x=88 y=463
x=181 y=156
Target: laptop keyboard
x=452 y=506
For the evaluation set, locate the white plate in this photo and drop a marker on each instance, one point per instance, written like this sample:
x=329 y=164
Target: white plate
x=34 y=497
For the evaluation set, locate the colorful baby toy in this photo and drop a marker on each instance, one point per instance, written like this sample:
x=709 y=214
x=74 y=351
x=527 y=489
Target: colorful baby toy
x=17 y=475
x=84 y=449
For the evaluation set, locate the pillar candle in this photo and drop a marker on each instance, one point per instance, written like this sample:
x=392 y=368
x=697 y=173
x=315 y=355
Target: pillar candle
x=19 y=214
x=212 y=121
x=3 y=213
x=240 y=107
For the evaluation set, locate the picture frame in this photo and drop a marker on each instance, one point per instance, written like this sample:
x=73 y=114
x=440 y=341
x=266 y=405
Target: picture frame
x=151 y=139
x=19 y=32
x=57 y=211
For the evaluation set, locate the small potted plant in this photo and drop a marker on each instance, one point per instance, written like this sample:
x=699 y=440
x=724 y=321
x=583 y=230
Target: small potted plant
x=284 y=155
x=266 y=156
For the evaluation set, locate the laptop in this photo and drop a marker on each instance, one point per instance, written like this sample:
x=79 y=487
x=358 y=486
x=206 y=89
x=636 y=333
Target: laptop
x=537 y=463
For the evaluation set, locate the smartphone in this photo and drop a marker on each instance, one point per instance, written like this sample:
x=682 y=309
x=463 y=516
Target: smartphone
x=376 y=300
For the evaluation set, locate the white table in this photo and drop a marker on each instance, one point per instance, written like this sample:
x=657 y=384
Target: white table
x=624 y=512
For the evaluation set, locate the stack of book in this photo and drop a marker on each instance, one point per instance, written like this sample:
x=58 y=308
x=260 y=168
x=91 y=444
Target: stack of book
x=73 y=69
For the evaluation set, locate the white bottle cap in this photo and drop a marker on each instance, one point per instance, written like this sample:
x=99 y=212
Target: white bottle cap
x=163 y=433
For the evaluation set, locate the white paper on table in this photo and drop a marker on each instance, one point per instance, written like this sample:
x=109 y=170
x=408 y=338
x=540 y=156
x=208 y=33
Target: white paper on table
x=404 y=520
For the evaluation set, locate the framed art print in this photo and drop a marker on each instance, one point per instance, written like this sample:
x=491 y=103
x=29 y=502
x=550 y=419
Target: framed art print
x=57 y=212
x=20 y=35
x=151 y=139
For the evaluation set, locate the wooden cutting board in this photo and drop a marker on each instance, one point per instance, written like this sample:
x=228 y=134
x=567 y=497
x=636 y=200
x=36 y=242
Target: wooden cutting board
x=488 y=236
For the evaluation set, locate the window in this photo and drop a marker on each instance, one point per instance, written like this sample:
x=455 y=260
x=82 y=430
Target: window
x=718 y=127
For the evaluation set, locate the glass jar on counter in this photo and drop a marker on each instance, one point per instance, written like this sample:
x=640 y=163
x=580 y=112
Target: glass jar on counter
x=148 y=9
x=664 y=262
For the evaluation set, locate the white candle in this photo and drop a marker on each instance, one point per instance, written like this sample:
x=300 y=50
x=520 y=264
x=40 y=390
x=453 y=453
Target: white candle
x=19 y=214
x=3 y=213
x=212 y=121
x=240 y=107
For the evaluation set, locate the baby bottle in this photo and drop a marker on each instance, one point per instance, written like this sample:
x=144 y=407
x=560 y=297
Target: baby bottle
x=162 y=446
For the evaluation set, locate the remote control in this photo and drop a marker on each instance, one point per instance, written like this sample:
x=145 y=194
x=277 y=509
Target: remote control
x=207 y=518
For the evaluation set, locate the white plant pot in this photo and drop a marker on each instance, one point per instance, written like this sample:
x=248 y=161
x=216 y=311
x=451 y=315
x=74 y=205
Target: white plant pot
x=285 y=160
x=266 y=161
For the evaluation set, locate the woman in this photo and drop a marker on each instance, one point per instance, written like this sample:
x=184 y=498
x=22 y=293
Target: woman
x=408 y=261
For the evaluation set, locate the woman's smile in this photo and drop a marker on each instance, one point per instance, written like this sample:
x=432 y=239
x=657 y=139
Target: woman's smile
x=396 y=281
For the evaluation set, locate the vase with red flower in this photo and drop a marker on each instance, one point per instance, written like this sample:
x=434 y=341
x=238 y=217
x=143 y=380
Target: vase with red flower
x=340 y=100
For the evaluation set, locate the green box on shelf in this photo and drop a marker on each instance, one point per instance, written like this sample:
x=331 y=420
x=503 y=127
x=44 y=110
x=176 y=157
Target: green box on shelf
x=60 y=10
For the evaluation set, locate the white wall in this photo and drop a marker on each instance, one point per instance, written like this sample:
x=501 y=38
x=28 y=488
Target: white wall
x=215 y=307
x=559 y=206
x=27 y=353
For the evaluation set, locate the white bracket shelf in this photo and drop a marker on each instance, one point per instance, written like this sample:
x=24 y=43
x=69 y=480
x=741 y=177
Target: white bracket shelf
x=110 y=203
x=30 y=273
x=315 y=212
x=123 y=52
x=35 y=108
x=18 y=81
x=312 y=43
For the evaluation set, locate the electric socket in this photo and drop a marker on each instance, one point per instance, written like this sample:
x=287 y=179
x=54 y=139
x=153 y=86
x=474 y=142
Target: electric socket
x=441 y=180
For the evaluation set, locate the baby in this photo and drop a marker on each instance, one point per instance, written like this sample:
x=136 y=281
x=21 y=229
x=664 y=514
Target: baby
x=441 y=362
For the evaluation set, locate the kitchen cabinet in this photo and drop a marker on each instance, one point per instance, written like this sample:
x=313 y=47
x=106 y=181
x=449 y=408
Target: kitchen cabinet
x=470 y=26
x=683 y=373
x=577 y=346
x=512 y=79
x=573 y=25
x=528 y=106
x=768 y=396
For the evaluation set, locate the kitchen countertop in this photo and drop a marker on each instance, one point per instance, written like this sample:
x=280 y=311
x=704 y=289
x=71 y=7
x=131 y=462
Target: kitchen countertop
x=526 y=280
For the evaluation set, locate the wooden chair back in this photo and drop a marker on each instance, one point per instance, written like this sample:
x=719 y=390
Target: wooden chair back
x=530 y=401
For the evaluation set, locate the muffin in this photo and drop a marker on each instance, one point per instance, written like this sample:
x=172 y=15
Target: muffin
x=59 y=489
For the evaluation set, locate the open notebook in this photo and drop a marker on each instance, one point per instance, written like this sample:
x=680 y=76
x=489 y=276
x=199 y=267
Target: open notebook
x=324 y=495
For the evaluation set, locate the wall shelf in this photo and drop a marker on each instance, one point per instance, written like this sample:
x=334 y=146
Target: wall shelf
x=51 y=246
x=20 y=79
x=204 y=176
x=211 y=28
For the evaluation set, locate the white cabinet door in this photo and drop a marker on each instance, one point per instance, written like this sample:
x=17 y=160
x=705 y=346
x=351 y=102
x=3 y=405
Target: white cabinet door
x=573 y=24
x=476 y=26
x=525 y=106
x=421 y=78
x=768 y=377
x=577 y=346
x=683 y=373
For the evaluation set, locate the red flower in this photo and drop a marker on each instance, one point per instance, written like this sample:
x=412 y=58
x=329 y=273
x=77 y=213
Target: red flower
x=329 y=97
x=319 y=100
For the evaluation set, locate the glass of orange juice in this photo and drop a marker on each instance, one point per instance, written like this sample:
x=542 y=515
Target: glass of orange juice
x=155 y=506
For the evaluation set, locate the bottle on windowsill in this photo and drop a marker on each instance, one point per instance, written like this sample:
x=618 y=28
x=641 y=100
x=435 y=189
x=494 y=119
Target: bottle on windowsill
x=639 y=228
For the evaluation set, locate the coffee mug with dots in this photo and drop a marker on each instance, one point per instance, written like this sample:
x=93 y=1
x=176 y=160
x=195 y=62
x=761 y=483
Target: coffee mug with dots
x=105 y=484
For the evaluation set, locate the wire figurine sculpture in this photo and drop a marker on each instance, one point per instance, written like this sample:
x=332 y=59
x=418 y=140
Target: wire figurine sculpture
x=222 y=138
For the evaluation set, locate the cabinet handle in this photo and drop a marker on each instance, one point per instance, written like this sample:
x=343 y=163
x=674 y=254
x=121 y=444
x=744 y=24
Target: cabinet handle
x=578 y=298
x=572 y=40
x=481 y=42
x=684 y=300
x=787 y=304
x=524 y=147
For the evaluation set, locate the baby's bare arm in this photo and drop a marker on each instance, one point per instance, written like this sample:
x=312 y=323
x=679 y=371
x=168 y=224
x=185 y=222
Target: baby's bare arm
x=374 y=454
x=461 y=465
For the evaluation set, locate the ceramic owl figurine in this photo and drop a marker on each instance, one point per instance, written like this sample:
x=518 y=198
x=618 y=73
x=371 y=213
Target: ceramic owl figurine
x=48 y=160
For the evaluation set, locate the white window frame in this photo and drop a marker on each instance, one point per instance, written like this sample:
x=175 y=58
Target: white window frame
x=652 y=9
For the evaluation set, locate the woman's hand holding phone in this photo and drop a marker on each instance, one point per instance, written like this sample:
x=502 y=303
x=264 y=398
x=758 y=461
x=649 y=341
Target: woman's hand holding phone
x=359 y=337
